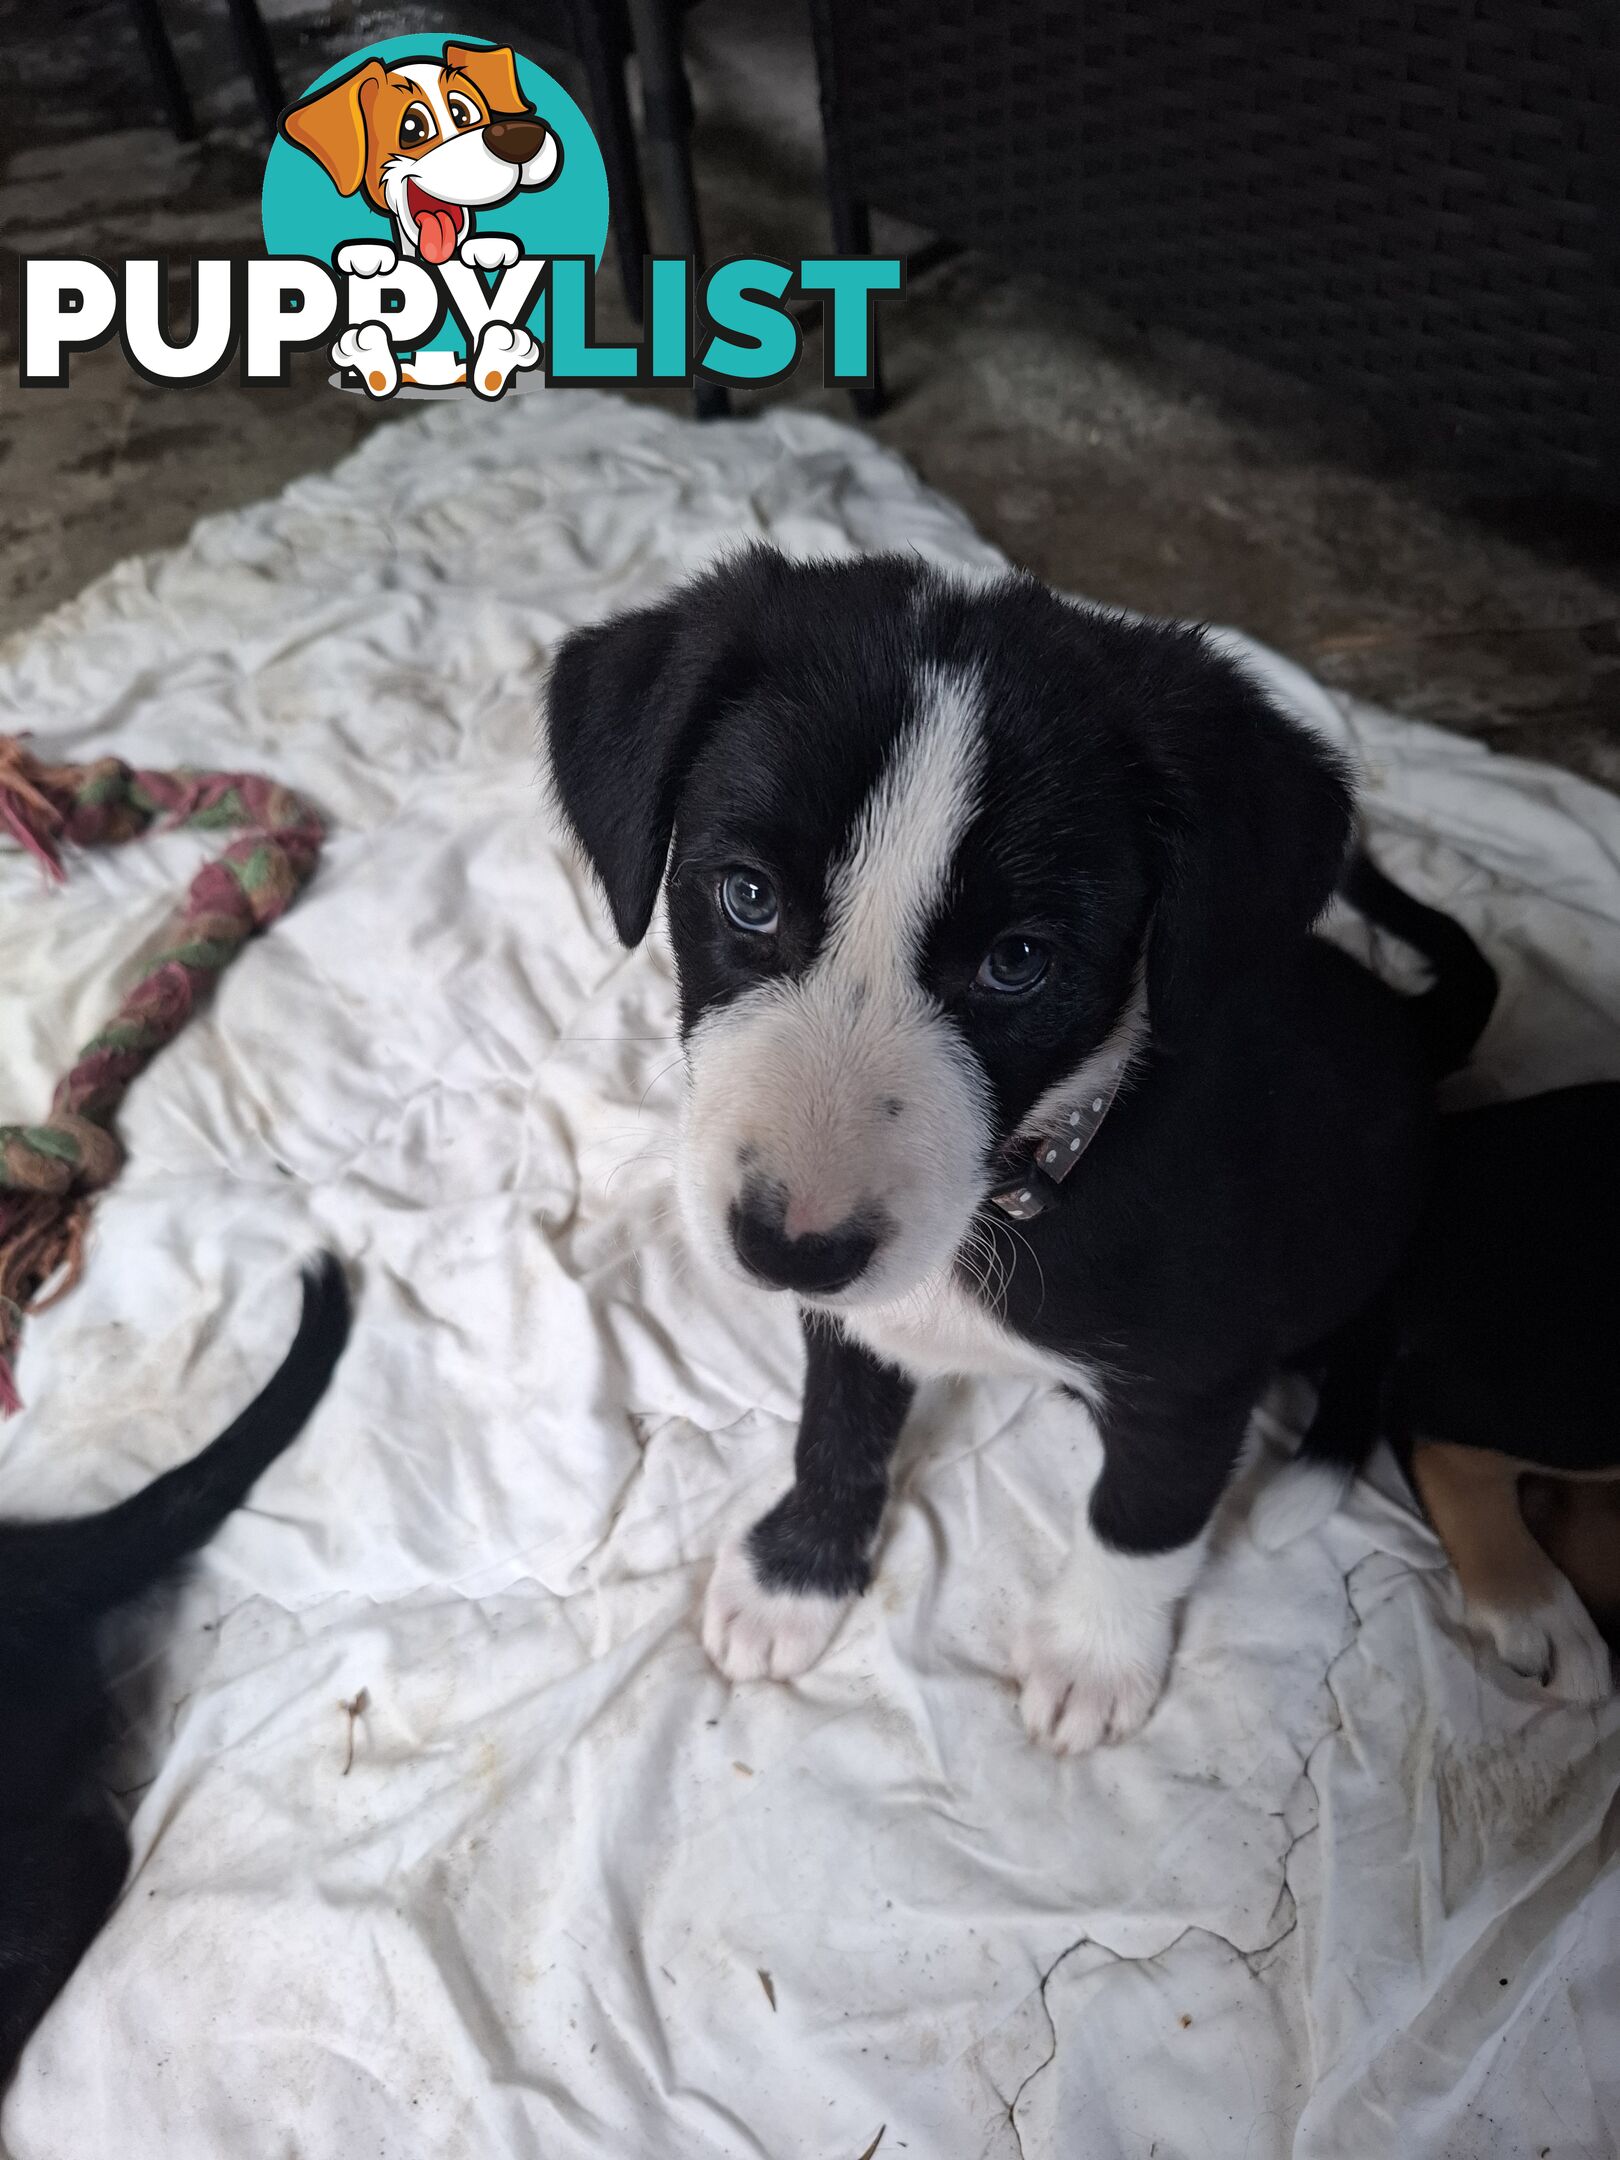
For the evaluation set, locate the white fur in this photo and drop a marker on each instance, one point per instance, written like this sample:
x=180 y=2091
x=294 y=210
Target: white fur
x=1091 y=1660
x=461 y=171
x=489 y=251
x=428 y=76
x=366 y=258
x=752 y=1633
x=542 y=167
x=1556 y=1643
x=887 y=888
x=459 y=168
x=790 y=1082
x=503 y=348
x=943 y=1330
x=365 y=347
x=1297 y=1499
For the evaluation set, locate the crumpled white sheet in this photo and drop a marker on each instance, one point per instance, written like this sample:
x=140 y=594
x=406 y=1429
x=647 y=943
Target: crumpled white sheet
x=1353 y=1892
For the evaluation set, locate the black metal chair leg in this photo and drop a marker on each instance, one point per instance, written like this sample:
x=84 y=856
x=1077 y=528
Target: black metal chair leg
x=667 y=115
x=170 y=83
x=850 y=217
x=603 y=62
x=259 y=59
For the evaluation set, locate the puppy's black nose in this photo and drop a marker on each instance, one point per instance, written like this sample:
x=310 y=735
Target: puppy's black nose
x=819 y=1263
x=514 y=142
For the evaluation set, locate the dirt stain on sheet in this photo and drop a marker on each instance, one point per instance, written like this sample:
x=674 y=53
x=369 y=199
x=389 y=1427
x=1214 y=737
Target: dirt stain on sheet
x=768 y=1984
x=354 y=1711
x=487 y=1771
x=1490 y=1804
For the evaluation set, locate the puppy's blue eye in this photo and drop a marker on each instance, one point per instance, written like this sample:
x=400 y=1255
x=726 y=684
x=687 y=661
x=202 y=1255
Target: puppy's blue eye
x=749 y=899
x=1013 y=964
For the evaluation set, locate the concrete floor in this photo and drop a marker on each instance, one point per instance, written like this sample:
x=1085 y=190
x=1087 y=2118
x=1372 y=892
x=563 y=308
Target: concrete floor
x=1114 y=463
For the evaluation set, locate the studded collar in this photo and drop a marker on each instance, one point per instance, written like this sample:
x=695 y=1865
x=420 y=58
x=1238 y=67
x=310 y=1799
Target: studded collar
x=1053 y=1154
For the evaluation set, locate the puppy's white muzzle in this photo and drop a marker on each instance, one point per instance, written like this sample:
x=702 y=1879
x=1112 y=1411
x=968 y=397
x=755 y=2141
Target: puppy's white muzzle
x=834 y=1142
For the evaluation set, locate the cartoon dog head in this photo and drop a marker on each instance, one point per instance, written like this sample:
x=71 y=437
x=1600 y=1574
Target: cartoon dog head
x=429 y=141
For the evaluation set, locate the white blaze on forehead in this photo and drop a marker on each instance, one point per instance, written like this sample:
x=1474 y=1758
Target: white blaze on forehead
x=848 y=1087
x=428 y=76
x=894 y=879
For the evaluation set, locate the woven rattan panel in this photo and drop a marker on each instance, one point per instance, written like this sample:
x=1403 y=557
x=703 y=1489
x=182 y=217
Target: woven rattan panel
x=1414 y=204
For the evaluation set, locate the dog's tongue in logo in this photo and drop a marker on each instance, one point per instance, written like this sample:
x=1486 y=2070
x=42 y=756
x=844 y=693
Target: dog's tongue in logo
x=438 y=224
x=438 y=232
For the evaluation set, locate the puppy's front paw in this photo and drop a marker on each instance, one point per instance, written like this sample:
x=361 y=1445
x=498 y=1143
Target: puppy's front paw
x=366 y=258
x=1081 y=1683
x=489 y=251
x=1556 y=1643
x=754 y=1633
x=502 y=350
x=366 y=349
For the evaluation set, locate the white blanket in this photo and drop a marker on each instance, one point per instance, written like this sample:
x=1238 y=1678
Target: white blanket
x=1352 y=1893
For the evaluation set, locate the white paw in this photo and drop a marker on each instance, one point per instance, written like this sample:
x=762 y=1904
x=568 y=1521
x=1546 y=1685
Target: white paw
x=366 y=258
x=503 y=348
x=1557 y=1644
x=1083 y=1680
x=489 y=251
x=752 y=1633
x=366 y=349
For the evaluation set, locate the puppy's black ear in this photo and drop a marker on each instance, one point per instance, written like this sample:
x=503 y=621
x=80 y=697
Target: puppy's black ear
x=628 y=706
x=1254 y=815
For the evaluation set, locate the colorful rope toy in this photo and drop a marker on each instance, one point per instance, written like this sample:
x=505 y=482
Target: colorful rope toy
x=49 y=1173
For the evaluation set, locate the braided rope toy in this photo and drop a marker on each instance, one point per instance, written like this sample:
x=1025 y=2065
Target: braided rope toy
x=49 y=1173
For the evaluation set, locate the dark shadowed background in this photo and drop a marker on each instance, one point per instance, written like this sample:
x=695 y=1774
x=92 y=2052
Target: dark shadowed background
x=1125 y=465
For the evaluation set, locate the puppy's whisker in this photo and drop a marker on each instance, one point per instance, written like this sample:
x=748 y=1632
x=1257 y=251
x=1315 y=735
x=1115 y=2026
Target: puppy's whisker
x=631 y=1162
x=662 y=1073
x=658 y=1163
x=1021 y=1239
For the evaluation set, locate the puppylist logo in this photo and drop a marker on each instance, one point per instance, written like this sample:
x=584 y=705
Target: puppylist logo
x=435 y=212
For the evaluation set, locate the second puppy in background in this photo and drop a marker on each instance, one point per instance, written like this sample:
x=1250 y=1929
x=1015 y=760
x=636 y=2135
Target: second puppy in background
x=1493 y=1365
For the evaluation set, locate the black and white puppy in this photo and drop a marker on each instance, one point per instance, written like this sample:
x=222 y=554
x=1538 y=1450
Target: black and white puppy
x=967 y=885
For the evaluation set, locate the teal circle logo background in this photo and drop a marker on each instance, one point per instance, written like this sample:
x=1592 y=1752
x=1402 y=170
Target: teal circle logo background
x=305 y=215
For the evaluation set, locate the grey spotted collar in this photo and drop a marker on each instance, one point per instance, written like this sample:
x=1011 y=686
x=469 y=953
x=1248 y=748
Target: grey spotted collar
x=1038 y=1185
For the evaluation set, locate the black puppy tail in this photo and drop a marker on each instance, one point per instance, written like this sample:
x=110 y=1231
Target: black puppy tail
x=1451 y=1014
x=90 y=1563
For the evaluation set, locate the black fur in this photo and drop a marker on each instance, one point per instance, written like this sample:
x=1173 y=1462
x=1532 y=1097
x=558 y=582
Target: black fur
x=1499 y=1330
x=819 y=1536
x=1260 y=1173
x=63 y=1851
x=629 y=703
